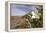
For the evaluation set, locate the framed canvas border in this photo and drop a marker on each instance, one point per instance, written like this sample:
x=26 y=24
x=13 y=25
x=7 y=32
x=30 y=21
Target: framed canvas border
x=31 y=29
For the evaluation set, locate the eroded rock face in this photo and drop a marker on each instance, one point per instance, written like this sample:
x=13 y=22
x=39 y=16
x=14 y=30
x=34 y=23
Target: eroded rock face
x=18 y=22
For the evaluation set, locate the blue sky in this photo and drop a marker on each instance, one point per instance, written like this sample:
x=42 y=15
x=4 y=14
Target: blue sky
x=21 y=10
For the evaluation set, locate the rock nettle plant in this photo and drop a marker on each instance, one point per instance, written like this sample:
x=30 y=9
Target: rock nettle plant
x=36 y=22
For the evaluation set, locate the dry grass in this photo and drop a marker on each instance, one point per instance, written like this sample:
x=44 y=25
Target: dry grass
x=18 y=22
